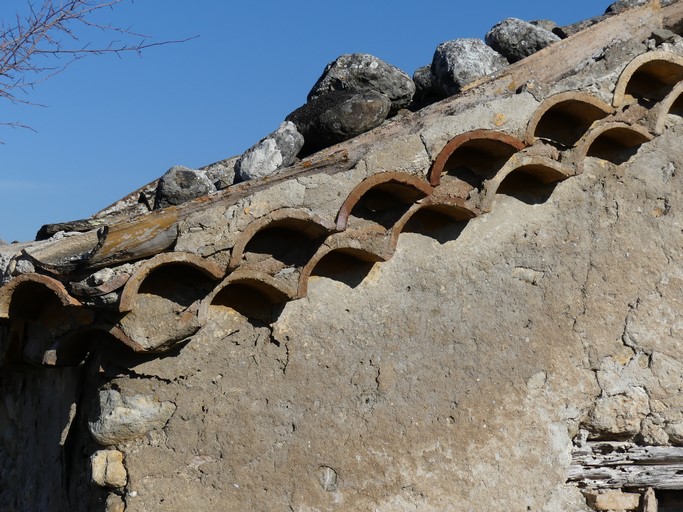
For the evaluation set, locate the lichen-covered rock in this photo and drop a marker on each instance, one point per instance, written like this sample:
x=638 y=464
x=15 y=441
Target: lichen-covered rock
x=623 y=5
x=338 y=116
x=180 y=184
x=107 y=469
x=222 y=173
x=121 y=418
x=360 y=72
x=277 y=150
x=459 y=62
x=516 y=39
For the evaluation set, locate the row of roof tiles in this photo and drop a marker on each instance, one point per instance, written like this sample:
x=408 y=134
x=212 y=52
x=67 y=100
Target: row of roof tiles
x=53 y=320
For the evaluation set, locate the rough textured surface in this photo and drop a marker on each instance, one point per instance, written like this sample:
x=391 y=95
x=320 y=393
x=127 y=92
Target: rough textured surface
x=179 y=185
x=360 y=72
x=339 y=115
x=425 y=90
x=274 y=152
x=124 y=418
x=461 y=61
x=108 y=469
x=441 y=359
x=516 y=39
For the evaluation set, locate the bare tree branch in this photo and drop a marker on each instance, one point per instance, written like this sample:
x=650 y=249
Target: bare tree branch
x=49 y=36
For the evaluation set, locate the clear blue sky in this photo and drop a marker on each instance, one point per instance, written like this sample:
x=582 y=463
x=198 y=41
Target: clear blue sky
x=112 y=124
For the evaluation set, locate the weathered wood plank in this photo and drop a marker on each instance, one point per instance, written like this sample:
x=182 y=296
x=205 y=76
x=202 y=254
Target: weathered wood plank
x=657 y=477
x=622 y=453
x=614 y=465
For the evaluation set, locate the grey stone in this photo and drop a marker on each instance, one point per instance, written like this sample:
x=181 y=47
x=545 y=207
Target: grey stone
x=119 y=418
x=516 y=39
x=338 y=116
x=662 y=35
x=277 y=150
x=624 y=5
x=425 y=90
x=546 y=24
x=360 y=72
x=569 y=30
x=222 y=173
x=459 y=62
x=179 y=185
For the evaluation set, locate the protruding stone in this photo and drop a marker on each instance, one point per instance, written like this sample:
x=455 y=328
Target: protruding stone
x=107 y=469
x=613 y=500
x=338 y=116
x=277 y=150
x=360 y=72
x=516 y=39
x=620 y=414
x=119 y=419
x=328 y=478
x=179 y=185
x=459 y=62
x=115 y=503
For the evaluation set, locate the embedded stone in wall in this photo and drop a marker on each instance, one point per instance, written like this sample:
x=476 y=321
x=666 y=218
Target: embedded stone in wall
x=108 y=469
x=459 y=62
x=360 y=72
x=277 y=150
x=516 y=39
x=613 y=500
x=120 y=418
x=620 y=414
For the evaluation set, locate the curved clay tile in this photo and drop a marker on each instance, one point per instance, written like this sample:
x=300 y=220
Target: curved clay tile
x=525 y=176
x=300 y=222
x=247 y=292
x=382 y=193
x=24 y=292
x=613 y=141
x=650 y=76
x=453 y=207
x=480 y=152
x=132 y=286
x=671 y=105
x=565 y=117
x=366 y=242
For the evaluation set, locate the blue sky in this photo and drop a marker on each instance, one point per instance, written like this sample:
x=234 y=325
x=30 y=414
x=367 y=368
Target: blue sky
x=111 y=124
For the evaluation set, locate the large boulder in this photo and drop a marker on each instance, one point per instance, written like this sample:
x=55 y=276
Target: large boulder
x=180 y=184
x=516 y=39
x=360 y=72
x=338 y=116
x=277 y=150
x=459 y=62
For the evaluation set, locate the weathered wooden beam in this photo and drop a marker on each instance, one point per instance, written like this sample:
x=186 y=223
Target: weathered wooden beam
x=615 y=465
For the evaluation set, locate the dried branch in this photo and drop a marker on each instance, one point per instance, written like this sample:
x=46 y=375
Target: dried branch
x=50 y=36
